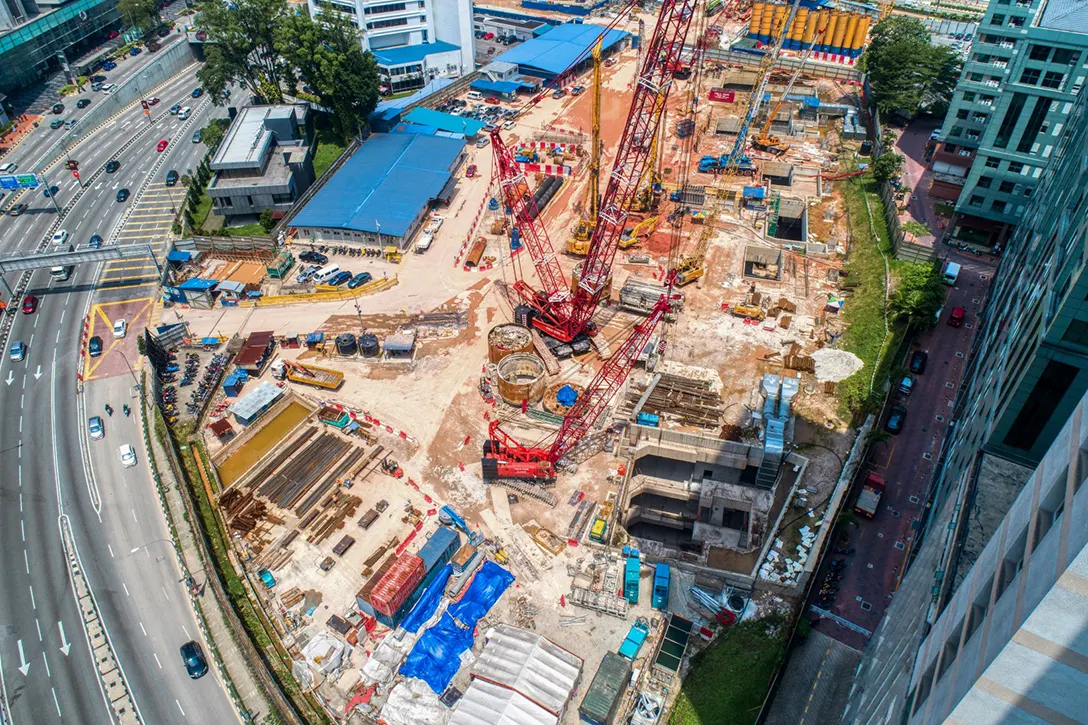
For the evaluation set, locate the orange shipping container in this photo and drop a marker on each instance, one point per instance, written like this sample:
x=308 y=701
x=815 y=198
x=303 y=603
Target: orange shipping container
x=397 y=584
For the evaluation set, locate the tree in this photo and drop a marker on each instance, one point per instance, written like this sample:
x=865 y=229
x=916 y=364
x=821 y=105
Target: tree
x=266 y=220
x=142 y=14
x=245 y=50
x=213 y=133
x=331 y=61
x=887 y=166
x=905 y=71
x=918 y=296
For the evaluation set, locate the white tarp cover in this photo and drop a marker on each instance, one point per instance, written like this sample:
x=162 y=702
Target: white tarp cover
x=529 y=664
x=412 y=703
x=324 y=652
x=488 y=704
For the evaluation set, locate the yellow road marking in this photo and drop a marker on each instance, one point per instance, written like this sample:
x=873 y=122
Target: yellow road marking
x=96 y=312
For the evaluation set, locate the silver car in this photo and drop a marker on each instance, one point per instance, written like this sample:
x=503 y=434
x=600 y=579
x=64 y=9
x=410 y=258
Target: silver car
x=95 y=428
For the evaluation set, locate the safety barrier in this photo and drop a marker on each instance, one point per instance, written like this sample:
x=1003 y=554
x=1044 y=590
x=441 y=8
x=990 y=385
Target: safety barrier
x=339 y=296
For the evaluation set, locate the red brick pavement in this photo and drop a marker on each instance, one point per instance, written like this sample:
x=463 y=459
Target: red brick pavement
x=15 y=136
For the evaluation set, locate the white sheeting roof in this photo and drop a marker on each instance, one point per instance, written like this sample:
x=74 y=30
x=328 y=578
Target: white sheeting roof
x=531 y=665
x=488 y=704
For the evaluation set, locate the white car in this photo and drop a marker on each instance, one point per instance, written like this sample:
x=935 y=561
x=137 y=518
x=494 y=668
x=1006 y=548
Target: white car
x=184 y=113
x=128 y=455
x=8 y=168
x=508 y=125
x=107 y=88
x=120 y=328
x=60 y=237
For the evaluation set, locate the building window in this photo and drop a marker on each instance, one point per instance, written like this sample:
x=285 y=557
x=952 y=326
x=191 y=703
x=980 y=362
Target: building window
x=969 y=97
x=1039 y=52
x=992 y=162
x=1004 y=132
x=1034 y=125
x=985 y=181
x=1041 y=404
x=961 y=114
x=1015 y=167
x=956 y=132
x=1006 y=187
x=976 y=200
x=1064 y=56
x=997 y=206
x=1030 y=76
x=1028 y=192
x=1016 y=21
x=378 y=9
x=1076 y=333
x=997 y=20
x=977 y=77
x=1053 y=79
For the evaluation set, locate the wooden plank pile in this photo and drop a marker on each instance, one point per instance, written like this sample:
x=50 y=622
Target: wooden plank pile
x=680 y=398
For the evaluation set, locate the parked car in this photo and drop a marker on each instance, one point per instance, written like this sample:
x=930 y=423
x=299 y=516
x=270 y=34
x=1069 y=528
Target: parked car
x=95 y=429
x=122 y=194
x=359 y=280
x=896 y=417
x=112 y=165
x=193 y=658
x=492 y=100
x=94 y=346
x=577 y=90
x=120 y=328
x=163 y=31
x=956 y=317
x=17 y=351
x=339 y=278
x=918 y=362
x=97 y=86
x=906 y=385
x=58 y=108
x=83 y=102
x=97 y=79
x=171 y=177
x=559 y=94
x=161 y=146
x=313 y=258
x=153 y=46
x=201 y=36
x=30 y=304
x=489 y=36
x=107 y=88
x=135 y=51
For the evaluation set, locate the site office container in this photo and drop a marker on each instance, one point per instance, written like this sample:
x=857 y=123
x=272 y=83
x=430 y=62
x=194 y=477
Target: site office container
x=397 y=584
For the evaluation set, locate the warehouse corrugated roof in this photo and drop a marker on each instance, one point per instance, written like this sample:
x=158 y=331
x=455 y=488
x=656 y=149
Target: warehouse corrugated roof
x=387 y=181
x=531 y=665
x=554 y=51
x=396 y=104
x=444 y=121
x=482 y=84
x=411 y=53
x=252 y=403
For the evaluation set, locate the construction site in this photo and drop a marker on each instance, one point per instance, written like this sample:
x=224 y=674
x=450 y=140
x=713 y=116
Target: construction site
x=595 y=425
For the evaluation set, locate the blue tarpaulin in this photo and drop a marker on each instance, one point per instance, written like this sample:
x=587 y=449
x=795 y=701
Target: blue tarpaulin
x=566 y=396
x=436 y=657
x=754 y=192
x=428 y=603
x=486 y=588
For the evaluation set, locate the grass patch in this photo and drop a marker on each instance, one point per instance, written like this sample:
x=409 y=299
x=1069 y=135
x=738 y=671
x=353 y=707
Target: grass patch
x=729 y=679
x=944 y=209
x=864 y=310
x=202 y=210
x=247 y=230
x=328 y=148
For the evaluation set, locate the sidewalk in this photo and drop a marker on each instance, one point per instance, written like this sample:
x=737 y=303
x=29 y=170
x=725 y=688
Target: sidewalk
x=20 y=131
x=212 y=617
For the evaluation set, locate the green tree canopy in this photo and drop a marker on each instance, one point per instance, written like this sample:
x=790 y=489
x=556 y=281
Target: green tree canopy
x=906 y=72
x=142 y=14
x=918 y=296
x=330 y=60
x=245 y=50
x=213 y=133
x=887 y=166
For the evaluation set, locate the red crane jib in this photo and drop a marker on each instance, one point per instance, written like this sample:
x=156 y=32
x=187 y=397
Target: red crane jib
x=560 y=313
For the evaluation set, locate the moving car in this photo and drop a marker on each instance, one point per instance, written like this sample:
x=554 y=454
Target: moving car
x=175 y=109
x=112 y=166
x=171 y=177
x=955 y=319
x=17 y=209
x=153 y=101
x=107 y=88
x=313 y=258
x=193 y=658
x=18 y=351
x=94 y=242
x=918 y=362
x=50 y=191
x=8 y=168
x=161 y=146
x=30 y=303
x=60 y=237
x=95 y=428
x=895 y=420
x=559 y=94
x=198 y=92
x=184 y=113
x=359 y=280
x=197 y=136
x=127 y=454
x=122 y=194
x=58 y=108
x=120 y=328
x=339 y=278
x=94 y=346
x=83 y=102
x=201 y=35
x=153 y=46
x=56 y=124
x=97 y=79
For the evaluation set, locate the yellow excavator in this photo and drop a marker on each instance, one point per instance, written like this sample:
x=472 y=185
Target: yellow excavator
x=633 y=236
x=583 y=231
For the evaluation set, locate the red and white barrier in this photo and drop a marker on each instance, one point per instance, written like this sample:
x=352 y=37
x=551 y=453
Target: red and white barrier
x=547 y=169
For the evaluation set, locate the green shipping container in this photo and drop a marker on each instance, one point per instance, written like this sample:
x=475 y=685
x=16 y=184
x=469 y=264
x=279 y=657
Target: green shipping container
x=605 y=692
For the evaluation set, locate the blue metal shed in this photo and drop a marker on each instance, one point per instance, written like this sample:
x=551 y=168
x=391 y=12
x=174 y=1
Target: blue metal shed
x=554 y=51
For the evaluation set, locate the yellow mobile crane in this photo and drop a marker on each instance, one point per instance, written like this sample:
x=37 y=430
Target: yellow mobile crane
x=764 y=141
x=579 y=243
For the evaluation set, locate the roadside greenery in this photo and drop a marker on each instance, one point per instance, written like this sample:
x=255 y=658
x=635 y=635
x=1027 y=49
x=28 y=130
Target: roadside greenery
x=213 y=133
x=142 y=14
x=729 y=680
x=907 y=73
x=919 y=294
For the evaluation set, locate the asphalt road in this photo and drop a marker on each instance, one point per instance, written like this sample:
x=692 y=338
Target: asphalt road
x=120 y=532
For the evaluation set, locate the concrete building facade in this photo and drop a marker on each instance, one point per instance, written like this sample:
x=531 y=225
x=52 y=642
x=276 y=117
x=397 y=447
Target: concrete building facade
x=1011 y=105
x=414 y=41
x=263 y=162
x=1026 y=376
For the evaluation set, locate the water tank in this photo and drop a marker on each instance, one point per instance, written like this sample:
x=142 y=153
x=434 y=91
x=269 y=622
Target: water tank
x=368 y=345
x=345 y=344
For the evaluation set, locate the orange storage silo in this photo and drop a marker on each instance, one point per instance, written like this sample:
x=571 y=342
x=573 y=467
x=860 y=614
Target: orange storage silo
x=765 y=20
x=797 y=29
x=780 y=13
x=753 y=22
x=851 y=29
x=809 y=33
x=832 y=22
x=860 y=36
x=840 y=31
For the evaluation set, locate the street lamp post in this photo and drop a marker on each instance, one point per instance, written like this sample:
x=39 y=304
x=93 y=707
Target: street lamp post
x=52 y=196
x=135 y=380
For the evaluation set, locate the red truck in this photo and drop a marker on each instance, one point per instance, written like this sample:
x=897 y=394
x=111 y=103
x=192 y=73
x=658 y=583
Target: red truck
x=869 y=498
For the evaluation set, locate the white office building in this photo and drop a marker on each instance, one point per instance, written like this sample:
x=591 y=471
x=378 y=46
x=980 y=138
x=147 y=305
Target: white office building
x=415 y=41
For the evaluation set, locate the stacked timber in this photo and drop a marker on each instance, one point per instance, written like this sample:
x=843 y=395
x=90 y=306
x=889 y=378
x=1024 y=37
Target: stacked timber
x=681 y=398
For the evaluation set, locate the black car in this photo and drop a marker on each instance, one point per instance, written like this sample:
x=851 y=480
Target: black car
x=894 y=424
x=122 y=194
x=83 y=102
x=94 y=346
x=163 y=31
x=313 y=258
x=171 y=177
x=17 y=209
x=193 y=657
x=918 y=362
x=112 y=166
x=94 y=242
x=97 y=79
x=58 y=108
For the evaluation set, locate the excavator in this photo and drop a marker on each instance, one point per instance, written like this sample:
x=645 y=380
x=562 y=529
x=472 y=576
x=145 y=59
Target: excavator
x=750 y=308
x=579 y=243
x=632 y=236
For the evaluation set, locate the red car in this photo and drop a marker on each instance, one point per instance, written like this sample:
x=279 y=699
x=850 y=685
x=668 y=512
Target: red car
x=152 y=101
x=956 y=318
x=492 y=100
x=162 y=145
x=30 y=303
x=113 y=34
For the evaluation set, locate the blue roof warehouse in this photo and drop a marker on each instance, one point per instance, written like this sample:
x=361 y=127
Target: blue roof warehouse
x=553 y=52
x=383 y=192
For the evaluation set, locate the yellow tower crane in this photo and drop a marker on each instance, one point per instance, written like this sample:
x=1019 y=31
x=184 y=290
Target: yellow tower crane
x=579 y=243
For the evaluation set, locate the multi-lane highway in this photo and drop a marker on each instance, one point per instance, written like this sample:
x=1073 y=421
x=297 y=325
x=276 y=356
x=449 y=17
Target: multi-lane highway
x=46 y=455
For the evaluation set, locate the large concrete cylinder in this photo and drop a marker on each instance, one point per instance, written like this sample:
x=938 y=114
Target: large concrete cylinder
x=521 y=379
x=508 y=339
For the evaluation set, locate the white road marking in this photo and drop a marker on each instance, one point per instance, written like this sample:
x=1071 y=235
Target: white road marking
x=56 y=701
x=134 y=515
x=111 y=550
x=62 y=313
x=157 y=660
x=20 y=495
x=20 y=423
x=142 y=629
x=58 y=338
x=164 y=593
x=33 y=603
x=20 y=475
x=46 y=660
x=125 y=588
x=39 y=626
x=26 y=560
x=187 y=635
x=22 y=528
x=22 y=399
x=179 y=707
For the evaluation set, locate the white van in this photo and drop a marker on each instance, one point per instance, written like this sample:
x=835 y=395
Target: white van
x=951 y=273
x=184 y=113
x=474 y=96
x=424 y=242
x=326 y=273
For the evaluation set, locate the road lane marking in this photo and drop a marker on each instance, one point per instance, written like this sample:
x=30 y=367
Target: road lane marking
x=142 y=629
x=134 y=515
x=20 y=421
x=22 y=527
x=111 y=550
x=39 y=626
x=20 y=474
x=56 y=701
x=46 y=660
x=24 y=666
x=179 y=707
x=20 y=495
x=126 y=589
x=164 y=593
x=33 y=602
x=26 y=560
x=187 y=635
x=157 y=660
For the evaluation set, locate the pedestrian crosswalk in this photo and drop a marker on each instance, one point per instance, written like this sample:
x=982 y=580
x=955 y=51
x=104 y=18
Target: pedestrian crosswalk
x=149 y=223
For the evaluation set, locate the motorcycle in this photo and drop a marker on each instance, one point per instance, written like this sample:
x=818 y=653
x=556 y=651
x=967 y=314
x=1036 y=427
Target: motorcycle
x=109 y=410
x=126 y=409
